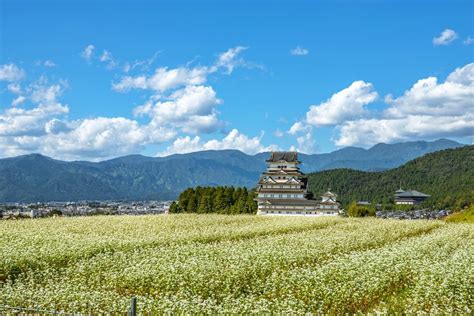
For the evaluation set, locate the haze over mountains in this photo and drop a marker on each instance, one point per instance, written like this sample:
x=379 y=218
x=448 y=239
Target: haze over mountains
x=34 y=177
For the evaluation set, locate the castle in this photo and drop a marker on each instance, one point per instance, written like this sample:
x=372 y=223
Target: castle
x=283 y=190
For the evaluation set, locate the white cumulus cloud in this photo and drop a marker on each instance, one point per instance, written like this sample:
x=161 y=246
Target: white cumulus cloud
x=445 y=38
x=49 y=63
x=297 y=128
x=306 y=143
x=18 y=100
x=192 y=109
x=17 y=121
x=165 y=79
x=178 y=102
x=107 y=58
x=468 y=41
x=428 y=110
x=11 y=72
x=233 y=140
x=88 y=52
x=346 y=104
x=46 y=63
x=14 y=88
x=228 y=60
x=299 y=51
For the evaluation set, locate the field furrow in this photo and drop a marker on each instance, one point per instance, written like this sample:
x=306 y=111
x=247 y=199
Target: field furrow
x=231 y=264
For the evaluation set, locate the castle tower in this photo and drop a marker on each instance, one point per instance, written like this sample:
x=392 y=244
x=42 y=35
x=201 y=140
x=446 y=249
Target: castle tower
x=283 y=190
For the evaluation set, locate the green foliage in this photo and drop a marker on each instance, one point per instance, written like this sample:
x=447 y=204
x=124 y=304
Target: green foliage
x=465 y=216
x=174 y=208
x=55 y=212
x=405 y=207
x=448 y=176
x=223 y=200
x=355 y=210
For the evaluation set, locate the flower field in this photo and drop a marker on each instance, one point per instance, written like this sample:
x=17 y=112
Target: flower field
x=237 y=264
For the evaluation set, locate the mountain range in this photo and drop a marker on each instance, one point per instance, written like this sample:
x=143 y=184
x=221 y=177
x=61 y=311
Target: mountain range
x=34 y=177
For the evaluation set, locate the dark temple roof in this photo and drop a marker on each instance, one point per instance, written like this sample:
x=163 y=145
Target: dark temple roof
x=410 y=193
x=289 y=156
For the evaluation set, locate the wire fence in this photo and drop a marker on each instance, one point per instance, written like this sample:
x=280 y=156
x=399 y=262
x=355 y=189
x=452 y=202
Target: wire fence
x=16 y=310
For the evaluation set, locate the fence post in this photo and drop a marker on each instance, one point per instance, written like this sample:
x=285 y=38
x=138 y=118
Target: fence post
x=133 y=307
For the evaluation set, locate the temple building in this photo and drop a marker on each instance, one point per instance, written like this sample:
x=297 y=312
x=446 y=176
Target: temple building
x=283 y=190
x=410 y=197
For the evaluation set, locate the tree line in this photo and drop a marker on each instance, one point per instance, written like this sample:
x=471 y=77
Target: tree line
x=447 y=176
x=222 y=200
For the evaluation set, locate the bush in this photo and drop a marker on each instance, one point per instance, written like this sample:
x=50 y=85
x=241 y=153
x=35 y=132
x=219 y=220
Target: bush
x=55 y=212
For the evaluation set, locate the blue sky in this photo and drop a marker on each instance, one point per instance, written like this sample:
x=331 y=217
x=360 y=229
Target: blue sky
x=99 y=79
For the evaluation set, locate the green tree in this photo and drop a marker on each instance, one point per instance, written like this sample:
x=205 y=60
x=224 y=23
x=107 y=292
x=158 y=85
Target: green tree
x=355 y=210
x=251 y=204
x=183 y=199
x=228 y=197
x=191 y=207
x=205 y=202
x=219 y=200
x=224 y=200
x=174 y=208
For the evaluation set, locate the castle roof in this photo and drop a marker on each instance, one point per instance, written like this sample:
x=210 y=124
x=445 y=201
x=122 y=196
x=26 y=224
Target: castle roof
x=296 y=202
x=291 y=202
x=282 y=190
x=329 y=194
x=268 y=180
x=288 y=156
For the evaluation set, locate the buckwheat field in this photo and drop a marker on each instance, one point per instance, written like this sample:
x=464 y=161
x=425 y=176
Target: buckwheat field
x=237 y=264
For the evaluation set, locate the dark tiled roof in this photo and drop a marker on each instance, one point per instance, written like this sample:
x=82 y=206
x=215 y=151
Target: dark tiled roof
x=279 y=191
x=289 y=156
x=288 y=173
x=291 y=202
x=411 y=193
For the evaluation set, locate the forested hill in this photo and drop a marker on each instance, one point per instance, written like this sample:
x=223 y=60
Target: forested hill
x=447 y=175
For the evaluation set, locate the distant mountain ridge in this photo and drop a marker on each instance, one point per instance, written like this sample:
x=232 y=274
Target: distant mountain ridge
x=34 y=177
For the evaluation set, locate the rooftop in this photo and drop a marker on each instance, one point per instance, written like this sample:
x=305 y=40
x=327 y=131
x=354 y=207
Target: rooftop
x=410 y=193
x=329 y=194
x=291 y=202
x=295 y=202
x=288 y=156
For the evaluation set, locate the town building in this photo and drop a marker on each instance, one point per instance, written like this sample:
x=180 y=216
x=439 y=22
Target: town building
x=284 y=190
x=409 y=197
